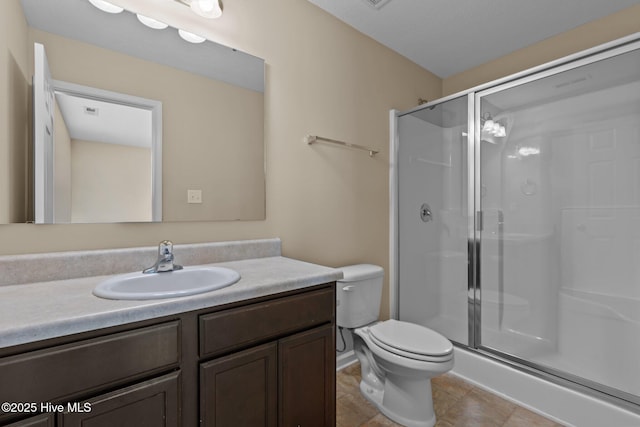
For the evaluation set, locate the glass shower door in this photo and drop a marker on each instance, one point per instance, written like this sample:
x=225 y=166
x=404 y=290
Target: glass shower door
x=559 y=193
x=433 y=218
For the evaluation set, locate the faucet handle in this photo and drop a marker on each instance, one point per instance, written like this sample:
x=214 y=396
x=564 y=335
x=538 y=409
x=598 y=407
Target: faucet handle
x=165 y=259
x=165 y=247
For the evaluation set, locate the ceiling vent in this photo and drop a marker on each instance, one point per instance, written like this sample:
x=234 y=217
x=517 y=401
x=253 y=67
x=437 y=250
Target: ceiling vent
x=376 y=4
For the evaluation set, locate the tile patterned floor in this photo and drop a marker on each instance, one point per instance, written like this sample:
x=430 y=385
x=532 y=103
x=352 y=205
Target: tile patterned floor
x=456 y=402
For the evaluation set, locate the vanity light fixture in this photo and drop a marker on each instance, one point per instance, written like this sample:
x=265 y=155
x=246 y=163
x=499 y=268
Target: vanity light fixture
x=206 y=8
x=151 y=23
x=105 y=6
x=499 y=130
x=492 y=127
x=190 y=37
x=528 y=151
x=522 y=152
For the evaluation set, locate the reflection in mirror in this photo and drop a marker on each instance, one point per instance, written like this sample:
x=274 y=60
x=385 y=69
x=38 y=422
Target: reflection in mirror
x=212 y=105
x=108 y=156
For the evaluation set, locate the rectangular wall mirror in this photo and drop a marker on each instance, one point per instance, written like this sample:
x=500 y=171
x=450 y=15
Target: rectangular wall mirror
x=206 y=160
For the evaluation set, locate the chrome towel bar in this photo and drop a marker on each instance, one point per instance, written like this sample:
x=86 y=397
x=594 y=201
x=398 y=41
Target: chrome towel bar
x=311 y=139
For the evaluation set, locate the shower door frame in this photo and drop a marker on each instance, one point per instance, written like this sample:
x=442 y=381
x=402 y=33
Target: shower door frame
x=475 y=216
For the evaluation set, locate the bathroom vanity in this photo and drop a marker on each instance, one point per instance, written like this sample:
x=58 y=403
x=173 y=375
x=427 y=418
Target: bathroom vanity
x=260 y=352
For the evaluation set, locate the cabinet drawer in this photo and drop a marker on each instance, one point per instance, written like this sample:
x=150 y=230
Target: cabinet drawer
x=42 y=420
x=58 y=373
x=229 y=329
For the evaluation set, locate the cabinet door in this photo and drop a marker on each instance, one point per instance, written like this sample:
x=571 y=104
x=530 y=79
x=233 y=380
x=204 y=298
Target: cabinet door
x=307 y=378
x=240 y=390
x=152 y=403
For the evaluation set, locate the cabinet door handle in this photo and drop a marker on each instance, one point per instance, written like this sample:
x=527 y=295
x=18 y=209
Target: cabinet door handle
x=346 y=289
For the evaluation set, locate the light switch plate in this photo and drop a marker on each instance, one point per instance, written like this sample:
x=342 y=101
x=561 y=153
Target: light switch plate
x=194 y=196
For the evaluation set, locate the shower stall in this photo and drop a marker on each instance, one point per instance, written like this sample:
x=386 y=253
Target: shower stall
x=516 y=220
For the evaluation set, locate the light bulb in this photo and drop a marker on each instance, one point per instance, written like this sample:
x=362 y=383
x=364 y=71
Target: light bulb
x=190 y=37
x=205 y=5
x=105 y=6
x=151 y=23
x=207 y=8
x=502 y=132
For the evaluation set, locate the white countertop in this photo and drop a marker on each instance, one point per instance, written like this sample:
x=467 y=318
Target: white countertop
x=38 y=311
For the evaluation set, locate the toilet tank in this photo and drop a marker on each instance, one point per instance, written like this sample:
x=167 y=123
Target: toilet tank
x=358 y=295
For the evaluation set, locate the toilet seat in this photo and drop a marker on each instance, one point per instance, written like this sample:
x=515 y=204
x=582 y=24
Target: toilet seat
x=411 y=340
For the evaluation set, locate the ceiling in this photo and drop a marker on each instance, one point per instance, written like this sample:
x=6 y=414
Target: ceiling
x=108 y=122
x=450 y=36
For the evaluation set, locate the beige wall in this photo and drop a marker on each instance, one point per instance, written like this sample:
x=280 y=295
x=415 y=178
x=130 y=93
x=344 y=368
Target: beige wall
x=212 y=131
x=580 y=38
x=329 y=205
x=15 y=81
x=110 y=182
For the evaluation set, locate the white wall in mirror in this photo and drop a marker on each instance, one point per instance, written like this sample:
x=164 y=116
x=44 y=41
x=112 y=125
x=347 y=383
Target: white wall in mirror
x=112 y=168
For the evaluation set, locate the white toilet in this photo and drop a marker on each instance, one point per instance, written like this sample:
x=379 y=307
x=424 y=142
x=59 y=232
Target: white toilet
x=398 y=359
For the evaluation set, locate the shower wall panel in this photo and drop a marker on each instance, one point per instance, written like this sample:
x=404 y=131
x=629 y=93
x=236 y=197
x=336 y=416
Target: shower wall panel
x=433 y=259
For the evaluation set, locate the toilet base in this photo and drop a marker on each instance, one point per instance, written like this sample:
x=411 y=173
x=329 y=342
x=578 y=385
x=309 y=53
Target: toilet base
x=400 y=387
x=376 y=397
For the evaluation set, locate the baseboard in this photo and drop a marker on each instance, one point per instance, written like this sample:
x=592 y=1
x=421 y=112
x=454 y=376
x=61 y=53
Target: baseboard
x=345 y=359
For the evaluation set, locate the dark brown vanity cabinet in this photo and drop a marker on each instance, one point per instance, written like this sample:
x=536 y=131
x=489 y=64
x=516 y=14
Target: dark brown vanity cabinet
x=307 y=368
x=240 y=389
x=152 y=403
x=288 y=381
x=42 y=420
x=67 y=382
x=268 y=361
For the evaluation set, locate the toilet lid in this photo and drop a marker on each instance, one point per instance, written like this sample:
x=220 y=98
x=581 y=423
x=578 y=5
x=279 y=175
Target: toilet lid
x=410 y=338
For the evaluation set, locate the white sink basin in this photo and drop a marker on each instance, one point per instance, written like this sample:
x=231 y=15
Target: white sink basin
x=178 y=283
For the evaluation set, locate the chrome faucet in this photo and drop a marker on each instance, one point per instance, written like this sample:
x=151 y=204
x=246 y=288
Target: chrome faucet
x=165 y=259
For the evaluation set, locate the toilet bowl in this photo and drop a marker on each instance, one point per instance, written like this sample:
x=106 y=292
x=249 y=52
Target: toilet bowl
x=396 y=377
x=397 y=359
